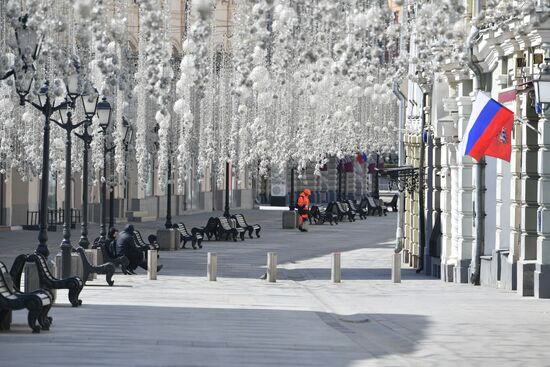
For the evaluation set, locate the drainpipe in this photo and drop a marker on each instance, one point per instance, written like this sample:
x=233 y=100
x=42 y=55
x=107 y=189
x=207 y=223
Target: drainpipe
x=401 y=153
x=479 y=171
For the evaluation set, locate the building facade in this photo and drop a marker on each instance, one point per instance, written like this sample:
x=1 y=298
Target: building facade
x=513 y=246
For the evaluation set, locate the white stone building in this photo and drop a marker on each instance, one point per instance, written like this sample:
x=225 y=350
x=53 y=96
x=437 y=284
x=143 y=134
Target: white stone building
x=514 y=248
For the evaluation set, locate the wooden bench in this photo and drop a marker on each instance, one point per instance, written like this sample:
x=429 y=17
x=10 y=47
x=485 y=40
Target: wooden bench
x=107 y=269
x=195 y=236
x=344 y=210
x=138 y=240
x=210 y=230
x=241 y=222
x=357 y=209
x=46 y=279
x=112 y=257
x=373 y=207
x=321 y=215
x=226 y=229
x=382 y=206
x=393 y=203
x=38 y=303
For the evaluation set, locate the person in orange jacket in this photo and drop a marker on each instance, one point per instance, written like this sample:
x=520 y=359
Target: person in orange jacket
x=303 y=208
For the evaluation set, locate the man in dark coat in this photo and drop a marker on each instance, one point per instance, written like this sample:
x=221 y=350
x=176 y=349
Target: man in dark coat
x=125 y=246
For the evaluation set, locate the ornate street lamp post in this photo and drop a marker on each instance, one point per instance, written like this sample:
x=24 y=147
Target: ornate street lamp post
x=376 y=181
x=66 y=123
x=28 y=44
x=168 y=223
x=104 y=116
x=339 y=168
x=292 y=204
x=126 y=141
x=226 y=209
x=112 y=187
x=47 y=108
x=89 y=101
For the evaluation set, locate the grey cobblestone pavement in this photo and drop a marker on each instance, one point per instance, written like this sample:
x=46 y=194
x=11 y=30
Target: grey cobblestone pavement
x=181 y=319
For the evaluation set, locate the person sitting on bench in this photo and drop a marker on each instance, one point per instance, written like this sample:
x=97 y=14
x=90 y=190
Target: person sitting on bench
x=126 y=246
x=111 y=242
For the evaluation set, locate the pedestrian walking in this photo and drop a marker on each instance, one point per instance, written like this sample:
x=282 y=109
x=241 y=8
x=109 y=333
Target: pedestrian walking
x=303 y=208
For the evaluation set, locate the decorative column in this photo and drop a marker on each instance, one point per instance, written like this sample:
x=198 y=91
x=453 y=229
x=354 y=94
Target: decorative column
x=434 y=251
x=444 y=159
x=407 y=228
x=412 y=223
x=526 y=252
x=462 y=197
x=509 y=258
x=542 y=265
x=447 y=260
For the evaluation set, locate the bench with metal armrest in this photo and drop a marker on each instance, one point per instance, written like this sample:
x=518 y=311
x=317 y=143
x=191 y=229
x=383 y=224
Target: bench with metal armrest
x=195 y=236
x=38 y=303
x=241 y=222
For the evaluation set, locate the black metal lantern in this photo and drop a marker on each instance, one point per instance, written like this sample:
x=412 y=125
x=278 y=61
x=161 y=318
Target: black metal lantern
x=128 y=133
x=72 y=86
x=28 y=42
x=62 y=110
x=89 y=101
x=43 y=94
x=104 y=113
x=23 y=83
x=542 y=83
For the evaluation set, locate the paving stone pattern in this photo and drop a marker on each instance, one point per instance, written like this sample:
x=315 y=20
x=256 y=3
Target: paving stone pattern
x=181 y=319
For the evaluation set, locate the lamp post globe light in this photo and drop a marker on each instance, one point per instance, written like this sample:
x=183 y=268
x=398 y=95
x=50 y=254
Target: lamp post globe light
x=104 y=117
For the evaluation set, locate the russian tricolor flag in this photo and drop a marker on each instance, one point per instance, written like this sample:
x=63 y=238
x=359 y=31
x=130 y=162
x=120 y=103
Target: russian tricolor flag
x=489 y=130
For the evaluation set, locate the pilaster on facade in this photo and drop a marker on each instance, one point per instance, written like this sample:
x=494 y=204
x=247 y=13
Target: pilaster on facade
x=446 y=131
x=542 y=265
x=527 y=251
x=435 y=251
x=448 y=260
x=462 y=199
x=412 y=148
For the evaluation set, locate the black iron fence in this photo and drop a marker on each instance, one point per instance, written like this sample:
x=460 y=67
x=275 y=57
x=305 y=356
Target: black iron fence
x=56 y=217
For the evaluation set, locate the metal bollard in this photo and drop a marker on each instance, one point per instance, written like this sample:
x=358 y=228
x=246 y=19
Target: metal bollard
x=212 y=266
x=396 y=268
x=152 y=264
x=336 y=271
x=271 y=267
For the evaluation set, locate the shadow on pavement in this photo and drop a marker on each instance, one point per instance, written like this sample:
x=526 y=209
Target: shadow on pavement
x=121 y=335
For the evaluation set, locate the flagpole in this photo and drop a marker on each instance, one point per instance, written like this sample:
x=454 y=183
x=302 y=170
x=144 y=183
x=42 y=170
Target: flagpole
x=480 y=188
